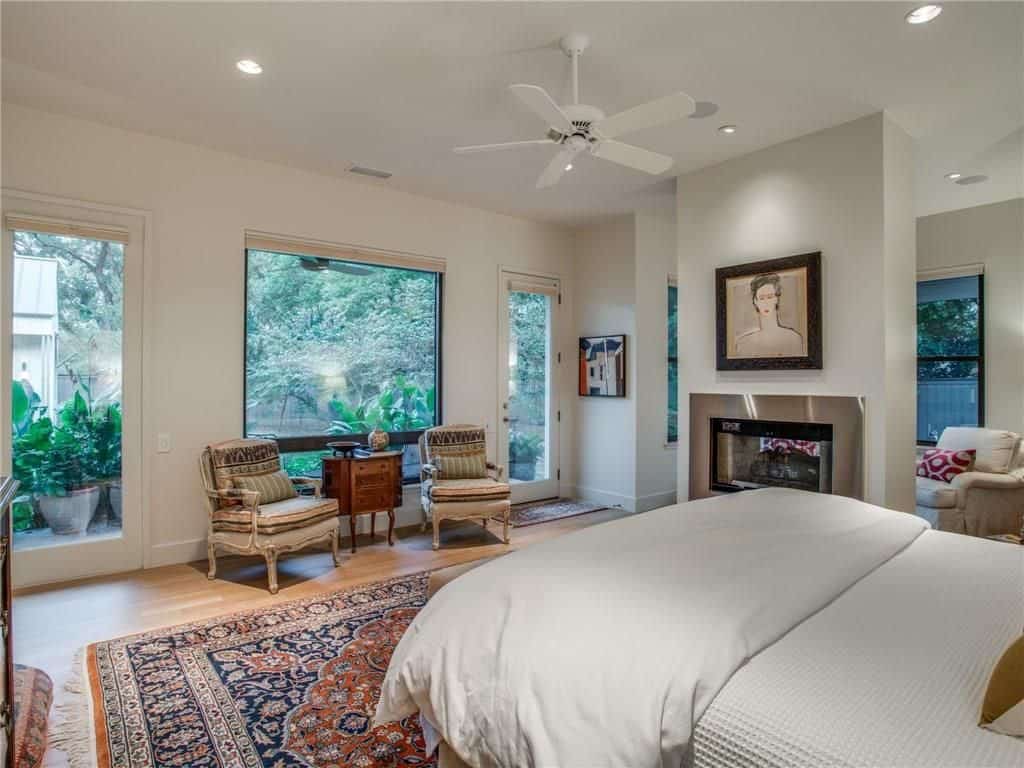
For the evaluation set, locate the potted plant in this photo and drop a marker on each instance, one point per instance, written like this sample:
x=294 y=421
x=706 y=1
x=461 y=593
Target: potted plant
x=61 y=462
x=523 y=451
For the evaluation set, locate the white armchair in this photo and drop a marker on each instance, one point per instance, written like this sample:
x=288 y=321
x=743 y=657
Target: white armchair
x=986 y=501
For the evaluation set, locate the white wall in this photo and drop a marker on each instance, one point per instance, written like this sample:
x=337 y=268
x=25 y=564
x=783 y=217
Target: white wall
x=201 y=202
x=655 y=225
x=823 y=192
x=605 y=436
x=992 y=235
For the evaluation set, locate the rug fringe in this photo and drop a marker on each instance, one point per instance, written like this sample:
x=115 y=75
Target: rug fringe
x=72 y=733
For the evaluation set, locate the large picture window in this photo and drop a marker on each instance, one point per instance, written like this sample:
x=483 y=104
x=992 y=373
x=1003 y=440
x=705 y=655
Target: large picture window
x=950 y=355
x=336 y=348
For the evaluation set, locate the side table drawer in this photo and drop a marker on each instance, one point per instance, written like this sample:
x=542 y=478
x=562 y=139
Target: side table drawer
x=371 y=473
x=367 y=499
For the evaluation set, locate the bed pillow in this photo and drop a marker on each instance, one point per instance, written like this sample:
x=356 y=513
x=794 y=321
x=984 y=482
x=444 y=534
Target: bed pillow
x=943 y=464
x=1003 y=708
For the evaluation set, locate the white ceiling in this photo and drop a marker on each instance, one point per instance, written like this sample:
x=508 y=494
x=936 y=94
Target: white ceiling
x=396 y=86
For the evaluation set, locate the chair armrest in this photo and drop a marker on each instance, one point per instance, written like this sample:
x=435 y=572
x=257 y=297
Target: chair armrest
x=499 y=470
x=1001 y=482
x=309 y=482
x=428 y=472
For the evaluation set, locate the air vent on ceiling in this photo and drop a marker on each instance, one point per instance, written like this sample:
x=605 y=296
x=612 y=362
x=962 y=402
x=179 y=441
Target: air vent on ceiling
x=364 y=171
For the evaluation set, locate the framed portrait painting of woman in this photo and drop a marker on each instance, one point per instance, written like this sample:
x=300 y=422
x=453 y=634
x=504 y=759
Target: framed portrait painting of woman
x=769 y=314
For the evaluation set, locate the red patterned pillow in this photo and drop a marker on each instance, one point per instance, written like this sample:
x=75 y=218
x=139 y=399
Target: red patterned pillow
x=943 y=464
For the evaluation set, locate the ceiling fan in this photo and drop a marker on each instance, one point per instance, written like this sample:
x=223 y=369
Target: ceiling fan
x=577 y=128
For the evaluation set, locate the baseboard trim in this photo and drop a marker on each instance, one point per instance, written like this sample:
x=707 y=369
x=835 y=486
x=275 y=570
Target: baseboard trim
x=608 y=498
x=656 y=500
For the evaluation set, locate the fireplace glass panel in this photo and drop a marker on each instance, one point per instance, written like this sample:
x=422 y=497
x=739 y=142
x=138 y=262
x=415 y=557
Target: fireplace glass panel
x=748 y=454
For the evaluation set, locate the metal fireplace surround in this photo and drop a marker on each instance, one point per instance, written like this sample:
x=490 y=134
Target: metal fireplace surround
x=810 y=442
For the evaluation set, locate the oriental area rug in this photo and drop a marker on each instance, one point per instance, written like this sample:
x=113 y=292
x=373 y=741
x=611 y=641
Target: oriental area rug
x=290 y=686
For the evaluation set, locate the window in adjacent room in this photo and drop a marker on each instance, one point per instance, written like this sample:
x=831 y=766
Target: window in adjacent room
x=335 y=348
x=950 y=355
x=673 y=362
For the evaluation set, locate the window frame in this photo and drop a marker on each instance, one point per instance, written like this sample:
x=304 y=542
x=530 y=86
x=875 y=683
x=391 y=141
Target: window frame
x=979 y=358
x=308 y=443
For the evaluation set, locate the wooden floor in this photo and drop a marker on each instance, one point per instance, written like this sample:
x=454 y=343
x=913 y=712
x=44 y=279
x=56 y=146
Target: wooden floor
x=52 y=623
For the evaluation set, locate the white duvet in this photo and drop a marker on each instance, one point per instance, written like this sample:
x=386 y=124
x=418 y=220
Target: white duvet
x=605 y=646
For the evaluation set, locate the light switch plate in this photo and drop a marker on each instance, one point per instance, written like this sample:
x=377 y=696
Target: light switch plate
x=163 y=442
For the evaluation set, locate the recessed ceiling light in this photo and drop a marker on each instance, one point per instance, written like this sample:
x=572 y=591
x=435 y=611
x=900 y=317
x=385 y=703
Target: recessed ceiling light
x=953 y=176
x=249 y=66
x=568 y=167
x=730 y=129
x=923 y=14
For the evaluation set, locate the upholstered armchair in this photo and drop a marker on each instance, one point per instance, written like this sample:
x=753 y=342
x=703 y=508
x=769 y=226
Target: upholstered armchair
x=987 y=501
x=456 y=480
x=256 y=509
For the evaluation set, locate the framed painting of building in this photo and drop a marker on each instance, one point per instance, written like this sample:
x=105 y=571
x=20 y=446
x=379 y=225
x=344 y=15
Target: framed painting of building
x=602 y=366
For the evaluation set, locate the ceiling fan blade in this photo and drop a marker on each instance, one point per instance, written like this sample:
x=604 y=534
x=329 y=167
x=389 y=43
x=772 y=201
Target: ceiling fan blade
x=541 y=104
x=555 y=169
x=633 y=157
x=505 y=145
x=657 y=112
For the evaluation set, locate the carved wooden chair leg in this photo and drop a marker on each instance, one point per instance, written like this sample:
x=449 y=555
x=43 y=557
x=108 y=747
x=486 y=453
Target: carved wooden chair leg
x=211 y=553
x=391 y=527
x=437 y=533
x=504 y=520
x=335 y=549
x=373 y=525
x=270 y=555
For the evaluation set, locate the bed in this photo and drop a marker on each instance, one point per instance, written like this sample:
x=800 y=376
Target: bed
x=769 y=628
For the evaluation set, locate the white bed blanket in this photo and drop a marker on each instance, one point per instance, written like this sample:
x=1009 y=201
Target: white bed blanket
x=604 y=647
x=892 y=673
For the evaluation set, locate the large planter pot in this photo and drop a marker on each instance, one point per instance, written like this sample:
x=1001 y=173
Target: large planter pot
x=521 y=470
x=114 y=495
x=70 y=514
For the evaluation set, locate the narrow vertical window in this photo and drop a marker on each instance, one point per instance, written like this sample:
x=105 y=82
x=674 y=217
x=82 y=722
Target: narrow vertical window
x=673 y=363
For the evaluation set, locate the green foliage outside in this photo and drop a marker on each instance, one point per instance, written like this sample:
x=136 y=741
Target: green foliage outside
x=945 y=328
x=81 y=447
x=336 y=348
x=528 y=331
x=77 y=443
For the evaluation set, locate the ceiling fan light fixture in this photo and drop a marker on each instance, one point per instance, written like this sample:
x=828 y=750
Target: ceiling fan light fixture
x=249 y=67
x=728 y=130
x=923 y=14
x=568 y=166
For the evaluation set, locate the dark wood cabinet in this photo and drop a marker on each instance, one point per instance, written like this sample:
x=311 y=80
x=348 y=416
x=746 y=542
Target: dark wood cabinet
x=365 y=484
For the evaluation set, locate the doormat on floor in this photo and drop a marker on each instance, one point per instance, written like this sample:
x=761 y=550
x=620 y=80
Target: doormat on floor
x=546 y=511
x=294 y=685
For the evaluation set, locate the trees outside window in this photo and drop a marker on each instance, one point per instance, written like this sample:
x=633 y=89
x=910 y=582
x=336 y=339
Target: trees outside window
x=335 y=349
x=673 y=364
x=950 y=355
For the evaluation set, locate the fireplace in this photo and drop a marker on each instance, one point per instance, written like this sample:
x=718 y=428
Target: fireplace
x=810 y=442
x=752 y=453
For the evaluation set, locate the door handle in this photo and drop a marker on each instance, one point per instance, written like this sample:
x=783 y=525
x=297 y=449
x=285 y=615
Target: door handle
x=508 y=420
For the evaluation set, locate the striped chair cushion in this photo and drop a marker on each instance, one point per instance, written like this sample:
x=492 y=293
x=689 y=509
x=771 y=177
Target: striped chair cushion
x=234 y=458
x=273 y=486
x=473 y=489
x=458 y=451
x=279 y=517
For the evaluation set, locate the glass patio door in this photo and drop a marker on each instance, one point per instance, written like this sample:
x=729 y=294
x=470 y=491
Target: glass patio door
x=68 y=344
x=528 y=424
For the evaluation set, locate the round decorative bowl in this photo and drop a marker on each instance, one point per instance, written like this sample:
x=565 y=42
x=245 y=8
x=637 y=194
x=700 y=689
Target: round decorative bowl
x=343 y=447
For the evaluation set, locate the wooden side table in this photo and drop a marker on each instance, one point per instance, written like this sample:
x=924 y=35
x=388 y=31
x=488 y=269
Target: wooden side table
x=365 y=484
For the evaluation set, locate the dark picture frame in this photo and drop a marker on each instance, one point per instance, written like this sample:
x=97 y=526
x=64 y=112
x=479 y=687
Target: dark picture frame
x=768 y=314
x=602 y=366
